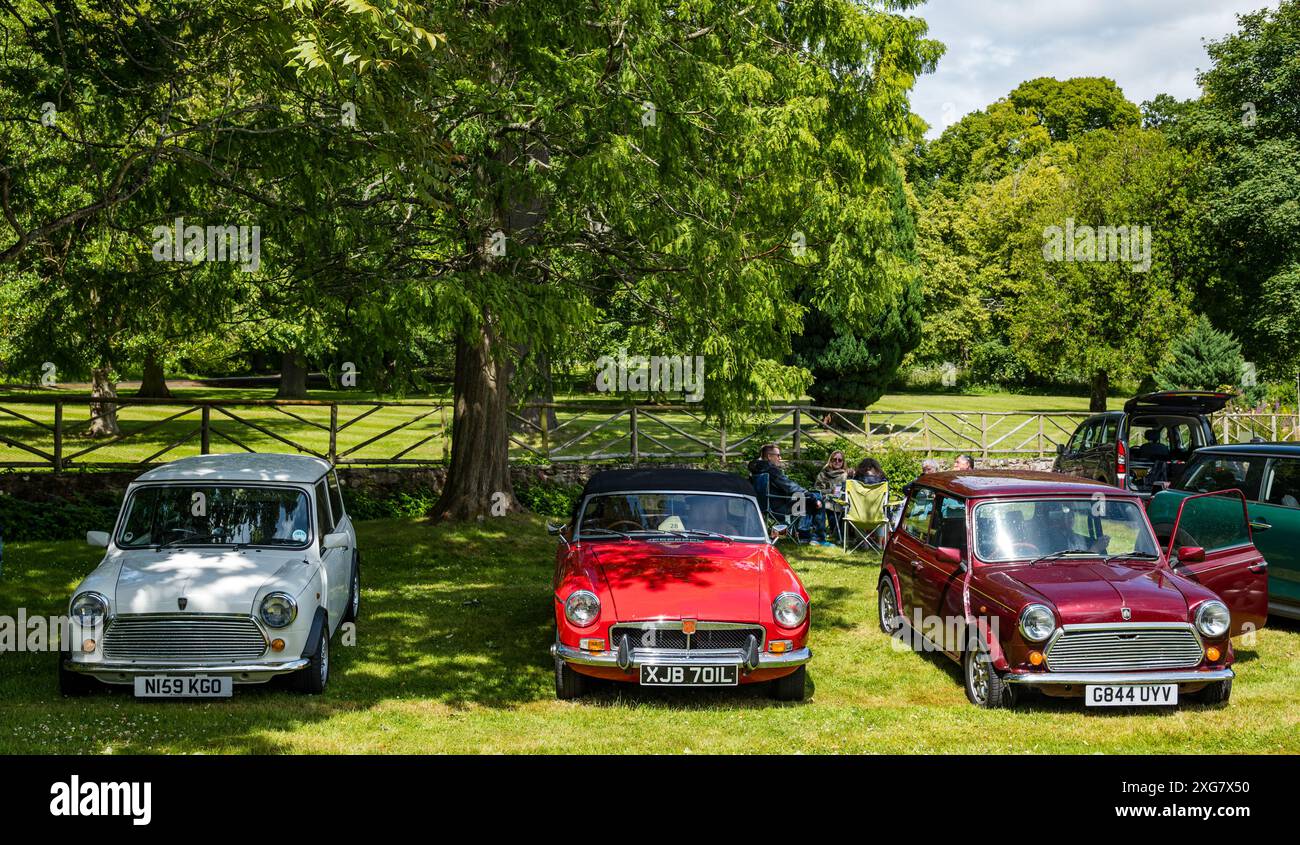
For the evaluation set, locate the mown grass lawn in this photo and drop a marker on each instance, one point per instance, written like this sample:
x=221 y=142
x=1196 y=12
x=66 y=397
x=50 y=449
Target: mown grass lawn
x=452 y=657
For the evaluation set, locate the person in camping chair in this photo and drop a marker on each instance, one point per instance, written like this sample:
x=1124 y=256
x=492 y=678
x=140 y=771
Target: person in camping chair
x=782 y=491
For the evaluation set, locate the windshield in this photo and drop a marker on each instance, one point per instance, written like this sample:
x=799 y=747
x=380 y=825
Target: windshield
x=1029 y=529
x=696 y=515
x=216 y=515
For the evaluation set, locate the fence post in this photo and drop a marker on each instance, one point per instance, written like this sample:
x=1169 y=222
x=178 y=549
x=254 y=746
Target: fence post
x=58 y=437
x=632 y=422
x=205 y=430
x=925 y=428
x=334 y=431
x=722 y=440
x=984 y=436
x=543 y=414
x=1042 y=442
x=798 y=440
x=1227 y=438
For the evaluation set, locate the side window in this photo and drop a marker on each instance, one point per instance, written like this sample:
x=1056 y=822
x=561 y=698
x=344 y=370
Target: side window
x=1089 y=435
x=1211 y=474
x=916 y=519
x=1076 y=442
x=323 y=521
x=950 y=524
x=1109 y=432
x=336 y=497
x=1283 y=484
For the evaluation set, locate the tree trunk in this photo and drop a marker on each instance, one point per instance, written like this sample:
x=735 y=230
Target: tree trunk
x=478 y=479
x=293 y=376
x=153 y=382
x=1100 y=390
x=103 y=415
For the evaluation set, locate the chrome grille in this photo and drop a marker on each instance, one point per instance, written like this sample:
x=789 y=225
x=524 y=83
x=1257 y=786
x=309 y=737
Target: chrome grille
x=150 y=637
x=669 y=635
x=1123 y=647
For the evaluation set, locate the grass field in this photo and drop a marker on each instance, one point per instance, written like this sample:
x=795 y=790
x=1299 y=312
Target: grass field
x=955 y=427
x=452 y=657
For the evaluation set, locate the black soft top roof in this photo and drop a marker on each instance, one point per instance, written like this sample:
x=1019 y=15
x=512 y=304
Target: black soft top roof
x=699 y=480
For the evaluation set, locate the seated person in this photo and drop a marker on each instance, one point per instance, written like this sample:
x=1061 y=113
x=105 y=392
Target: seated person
x=1058 y=532
x=783 y=491
x=1152 y=449
x=869 y=471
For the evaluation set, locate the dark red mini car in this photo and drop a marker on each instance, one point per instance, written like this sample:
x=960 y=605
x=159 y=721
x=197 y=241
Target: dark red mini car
x=670 y=578
x=1035 y=581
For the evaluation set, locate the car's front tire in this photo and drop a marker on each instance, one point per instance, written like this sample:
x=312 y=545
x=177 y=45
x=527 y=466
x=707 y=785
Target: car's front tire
x=568 y=683
x=984 y=686
x=315 y=676
x=354 y=593
x=792 y=687
x=74 y=683
x=1217 y=693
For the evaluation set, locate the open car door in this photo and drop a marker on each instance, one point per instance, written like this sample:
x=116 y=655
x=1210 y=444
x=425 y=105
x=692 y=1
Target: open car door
x=1212 y=544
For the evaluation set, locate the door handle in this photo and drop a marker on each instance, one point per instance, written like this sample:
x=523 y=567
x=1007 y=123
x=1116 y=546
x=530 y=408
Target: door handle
x=1258 y=567
x=916 y=564
x=1260 y=525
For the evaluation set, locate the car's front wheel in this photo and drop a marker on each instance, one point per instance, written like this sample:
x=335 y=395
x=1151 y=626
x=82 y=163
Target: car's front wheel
x=568 y=683
x=314 y=677
x=984 y=686
x=792 y=687
x=1216 y=693
x=73 y=683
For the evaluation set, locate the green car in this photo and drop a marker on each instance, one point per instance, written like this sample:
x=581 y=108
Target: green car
x=1269 y=476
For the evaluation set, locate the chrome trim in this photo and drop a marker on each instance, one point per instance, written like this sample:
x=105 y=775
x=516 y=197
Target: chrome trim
x=293 y=607
x=1020 y=623
x=1201 y=609
x=163 y=644
x=803 y=617
x=186 y=669
x=1186 y=676
x=1124 y=627
x=667 y=657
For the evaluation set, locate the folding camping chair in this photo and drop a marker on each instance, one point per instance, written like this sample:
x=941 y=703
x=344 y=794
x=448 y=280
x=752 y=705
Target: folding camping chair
x=762 y=491
x=866 y=514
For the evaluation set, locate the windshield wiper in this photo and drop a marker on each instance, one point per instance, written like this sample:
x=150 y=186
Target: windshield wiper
x=702 y=533
x=1132 y=556
x=193 y=535
x=583 y=531
x=1062 y=553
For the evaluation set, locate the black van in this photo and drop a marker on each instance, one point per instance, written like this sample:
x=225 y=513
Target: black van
x=1148 y=442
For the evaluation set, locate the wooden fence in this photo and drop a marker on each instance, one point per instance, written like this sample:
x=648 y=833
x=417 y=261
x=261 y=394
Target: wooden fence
x=51 y=432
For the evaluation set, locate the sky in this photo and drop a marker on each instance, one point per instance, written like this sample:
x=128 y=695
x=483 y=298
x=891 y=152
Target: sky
x=1147 y=46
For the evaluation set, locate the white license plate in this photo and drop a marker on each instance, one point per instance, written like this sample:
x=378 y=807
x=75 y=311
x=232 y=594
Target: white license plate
x=1130 y=695
x=183 y=686
x=690 y=676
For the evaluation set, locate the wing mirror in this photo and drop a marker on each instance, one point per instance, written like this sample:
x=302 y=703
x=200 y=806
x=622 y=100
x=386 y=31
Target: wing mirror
x=554 y=528
x=97 y=538
x=947 y=554
x=1060 y=448
x=1191 y=554
x=779 y=530
x=337 y=540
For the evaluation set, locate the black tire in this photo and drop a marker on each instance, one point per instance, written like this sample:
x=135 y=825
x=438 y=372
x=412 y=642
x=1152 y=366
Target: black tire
x=792 y=687
x=315 y=676
x=353 y=609
x=568 y=683
x=887 y=594
x=74 y=684
x=984 y=686
x=1217 y=693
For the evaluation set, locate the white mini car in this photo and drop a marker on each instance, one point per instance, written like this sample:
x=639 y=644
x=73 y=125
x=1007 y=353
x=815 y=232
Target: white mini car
x=222 y=570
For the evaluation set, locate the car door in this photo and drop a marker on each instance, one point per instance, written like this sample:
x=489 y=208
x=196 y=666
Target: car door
x=342 y=522
x=337 y=563
x=937 y=582
x=1073 y=454
x=1275 y=523
x=1228 y=563
x=908 y=546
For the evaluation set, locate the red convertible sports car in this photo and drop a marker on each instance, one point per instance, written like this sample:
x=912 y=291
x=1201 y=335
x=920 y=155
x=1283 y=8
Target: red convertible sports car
x=668 y=577
x=1034 y=582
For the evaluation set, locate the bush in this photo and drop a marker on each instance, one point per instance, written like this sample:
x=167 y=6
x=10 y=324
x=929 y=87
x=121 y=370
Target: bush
x=362 y=504
x=549 y=498
x=58 y=519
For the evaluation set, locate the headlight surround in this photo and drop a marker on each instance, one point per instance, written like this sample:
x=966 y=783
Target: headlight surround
x=278 y=610
x=1213 y=619
x=89 y=609
x=789 y=610
x=582 y=608
x=1037 y=622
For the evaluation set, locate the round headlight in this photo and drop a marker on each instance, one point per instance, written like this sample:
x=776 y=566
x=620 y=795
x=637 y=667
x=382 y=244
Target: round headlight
x=279 y=610
x=1037 y=622
x=1213 y=619
x=89 y=609
x=789 y=610
x=582 y=608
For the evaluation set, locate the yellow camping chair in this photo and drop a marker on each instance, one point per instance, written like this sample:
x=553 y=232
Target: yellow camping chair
x=866 y=514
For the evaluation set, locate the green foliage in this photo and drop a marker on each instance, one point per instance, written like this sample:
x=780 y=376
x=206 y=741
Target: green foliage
x=57 y=519
x=1203 y=358
x=363 y=504
x=550 y=498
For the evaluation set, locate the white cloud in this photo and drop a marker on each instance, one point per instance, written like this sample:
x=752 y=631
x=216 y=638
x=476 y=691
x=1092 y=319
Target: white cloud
x=1148 y=47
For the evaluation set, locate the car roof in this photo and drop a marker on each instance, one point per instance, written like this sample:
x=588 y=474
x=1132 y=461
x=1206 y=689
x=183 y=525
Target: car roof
x=1272 y=449
x=969 y=484
x=241 y=467
x=665 y=479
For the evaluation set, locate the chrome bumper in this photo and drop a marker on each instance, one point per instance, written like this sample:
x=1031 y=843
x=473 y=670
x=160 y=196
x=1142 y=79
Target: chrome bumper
x=609 y=659
x=241 y=673
x=1185 y=676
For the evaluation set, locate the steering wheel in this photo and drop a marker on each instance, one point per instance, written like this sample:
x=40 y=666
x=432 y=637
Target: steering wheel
x=1030 y=548
x=636 y=526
